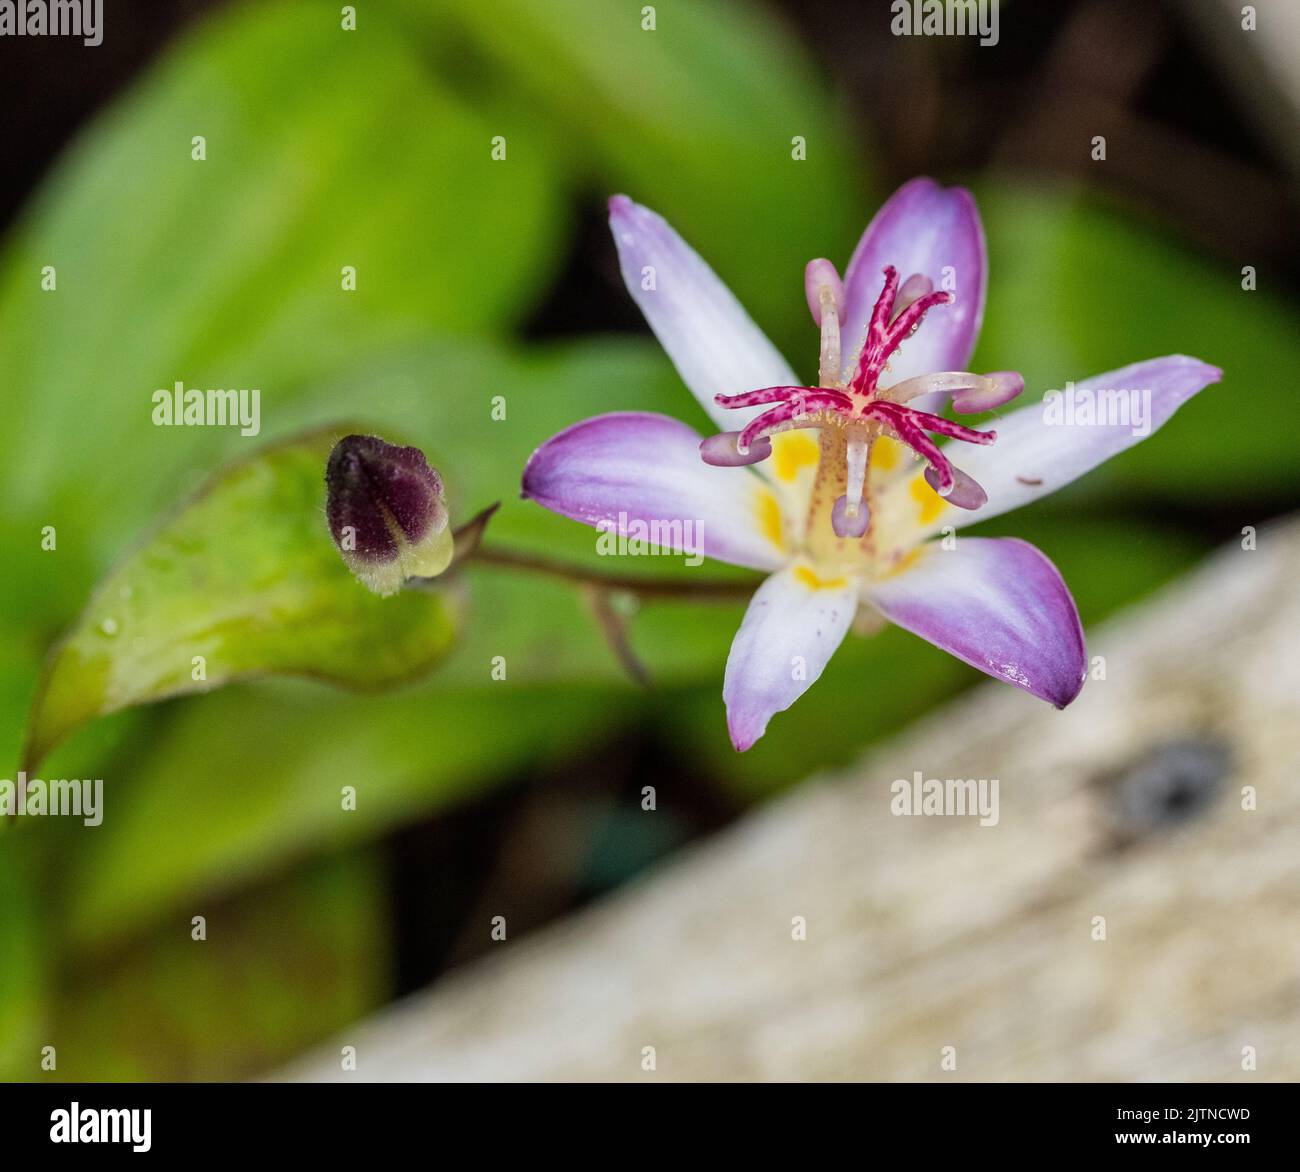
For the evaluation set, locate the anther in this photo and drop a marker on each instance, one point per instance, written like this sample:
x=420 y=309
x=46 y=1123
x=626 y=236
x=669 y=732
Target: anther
x=994 y=390
x=966 y=492
x=849 y=524
x=825 y=293
x=913 y=289
x=723 y=450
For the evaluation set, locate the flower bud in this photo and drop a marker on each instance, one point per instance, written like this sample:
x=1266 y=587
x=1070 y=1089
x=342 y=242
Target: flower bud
x=386 y=512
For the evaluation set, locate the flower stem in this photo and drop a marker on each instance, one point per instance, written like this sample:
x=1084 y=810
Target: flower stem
x=468 y=540
x=635 y=584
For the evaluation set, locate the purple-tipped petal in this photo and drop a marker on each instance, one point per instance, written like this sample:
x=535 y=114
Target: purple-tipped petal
x=1006 y=385
x=922 y=229
x=632 y=468
x=723 y=451
x=792 y=627
x=712 y=341
x=1035 y=456
x=996 y=603
x=965 y=493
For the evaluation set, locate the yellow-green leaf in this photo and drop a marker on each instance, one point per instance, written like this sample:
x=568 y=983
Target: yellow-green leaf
x=243 y=580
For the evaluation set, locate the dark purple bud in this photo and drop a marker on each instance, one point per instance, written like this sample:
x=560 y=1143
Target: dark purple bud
x=386 y=512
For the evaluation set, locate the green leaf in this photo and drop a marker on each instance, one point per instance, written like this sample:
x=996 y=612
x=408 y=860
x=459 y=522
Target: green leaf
x=226 y=272
x=541 y=626
x=697 y=118
x=254 y=802
x=232 y=1005
x=243 y=580
x=23 y=990
x=1078 y=287
x=272 y=793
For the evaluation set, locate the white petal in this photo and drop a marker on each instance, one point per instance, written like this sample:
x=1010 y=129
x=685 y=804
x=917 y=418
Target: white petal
x=1034 y=454
x=712 y=341
x=793 y=625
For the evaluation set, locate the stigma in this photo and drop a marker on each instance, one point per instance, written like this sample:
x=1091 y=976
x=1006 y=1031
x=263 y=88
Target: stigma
x=851 y=409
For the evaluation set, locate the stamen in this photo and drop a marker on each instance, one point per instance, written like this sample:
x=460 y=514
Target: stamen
x=850 y=515
x=966 y=492
x=818 y=277
x=809 y=401
x=948 y=382
x=856 y=464
x=855 y=413
x=825 y=292
x=723 y=450
x=913 y=289
x=828 y=369
x=846 y=524
x=998 y=388
x=971 y=393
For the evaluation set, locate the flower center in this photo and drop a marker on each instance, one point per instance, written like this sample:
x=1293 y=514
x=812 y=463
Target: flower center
x=853 y=412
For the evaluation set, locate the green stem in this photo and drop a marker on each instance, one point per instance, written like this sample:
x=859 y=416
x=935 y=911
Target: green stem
x=641 y=586
x=468 y=545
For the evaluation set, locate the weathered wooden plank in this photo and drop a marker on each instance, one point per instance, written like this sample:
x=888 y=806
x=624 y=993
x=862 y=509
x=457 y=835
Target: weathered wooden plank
x=930 y=932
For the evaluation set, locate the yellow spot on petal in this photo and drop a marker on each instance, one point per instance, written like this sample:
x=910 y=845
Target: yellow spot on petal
x=932 y=504
x=907 y=561
x=792 y=450
x=769 y=519
x=884 y=454
x=813 y=582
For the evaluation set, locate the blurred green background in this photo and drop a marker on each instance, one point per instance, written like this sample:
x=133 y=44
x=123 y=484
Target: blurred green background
x=479 y=278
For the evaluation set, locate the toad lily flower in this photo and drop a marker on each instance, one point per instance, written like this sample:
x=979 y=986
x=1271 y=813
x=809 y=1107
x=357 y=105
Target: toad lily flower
x=815 y=484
